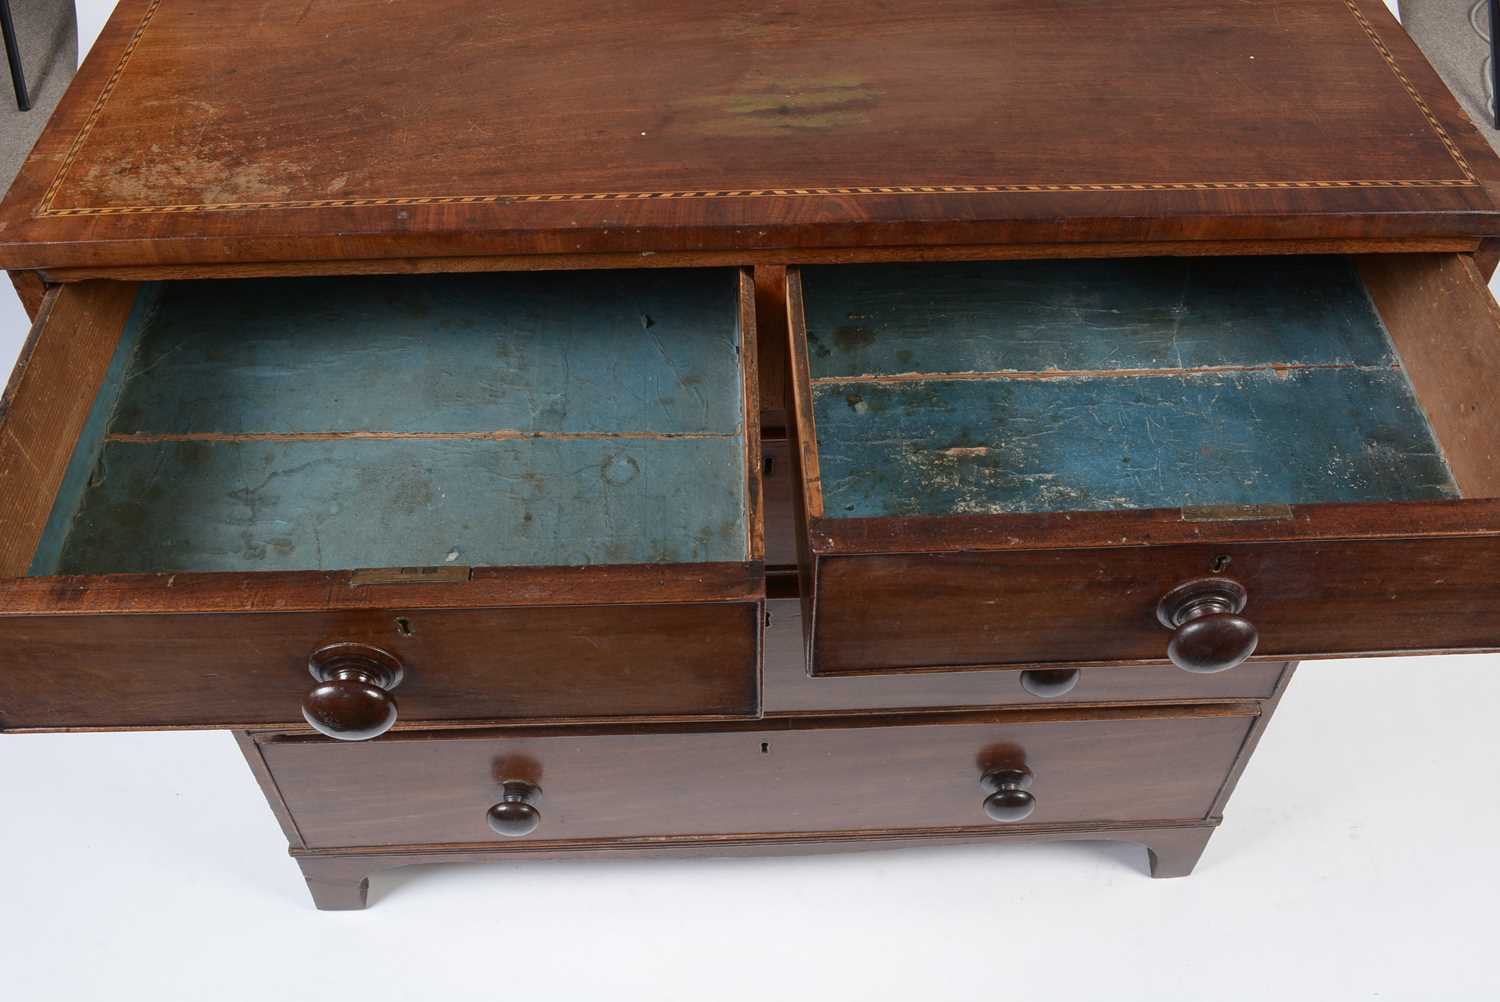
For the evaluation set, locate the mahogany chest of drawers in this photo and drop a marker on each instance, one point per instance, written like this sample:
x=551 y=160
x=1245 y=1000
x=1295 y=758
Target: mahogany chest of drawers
x=583 y=454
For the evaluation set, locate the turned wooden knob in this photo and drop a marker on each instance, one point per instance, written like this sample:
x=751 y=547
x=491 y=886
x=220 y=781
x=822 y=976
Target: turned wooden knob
x=352 y=700
x=1208 y=634
x=1008 y=799
x=1050 y=682
x=516 y=814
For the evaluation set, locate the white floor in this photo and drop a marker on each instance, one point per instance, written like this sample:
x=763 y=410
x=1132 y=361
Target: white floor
x=1358 y=860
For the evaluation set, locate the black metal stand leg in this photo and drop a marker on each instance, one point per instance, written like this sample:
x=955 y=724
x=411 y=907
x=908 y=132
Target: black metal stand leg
x=13 y=56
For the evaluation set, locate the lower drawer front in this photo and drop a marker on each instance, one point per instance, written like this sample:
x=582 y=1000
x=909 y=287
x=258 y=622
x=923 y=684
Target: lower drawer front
x=817 y=775
x=789 y=688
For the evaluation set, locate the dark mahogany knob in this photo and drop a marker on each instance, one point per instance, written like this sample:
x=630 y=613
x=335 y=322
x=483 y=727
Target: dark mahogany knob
x=1050 y=682
x=352 y=700
x=1208 y=634
x=1008 y=799
x=516 y=814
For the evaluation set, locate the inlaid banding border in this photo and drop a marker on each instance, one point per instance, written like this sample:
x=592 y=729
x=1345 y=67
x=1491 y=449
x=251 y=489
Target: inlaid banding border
x=46 y=207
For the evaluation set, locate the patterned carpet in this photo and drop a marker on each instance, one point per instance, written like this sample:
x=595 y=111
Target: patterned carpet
x=48 y=35
x=1455 y=35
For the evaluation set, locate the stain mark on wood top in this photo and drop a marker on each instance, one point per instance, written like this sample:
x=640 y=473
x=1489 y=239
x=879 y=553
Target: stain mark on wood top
x=771 y=108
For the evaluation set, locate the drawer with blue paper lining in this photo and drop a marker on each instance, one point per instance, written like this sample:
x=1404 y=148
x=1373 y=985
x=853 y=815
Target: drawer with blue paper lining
x=482 y=498
x=1195 y=461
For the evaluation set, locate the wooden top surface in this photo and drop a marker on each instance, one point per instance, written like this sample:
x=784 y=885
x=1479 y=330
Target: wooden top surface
x=219 y=131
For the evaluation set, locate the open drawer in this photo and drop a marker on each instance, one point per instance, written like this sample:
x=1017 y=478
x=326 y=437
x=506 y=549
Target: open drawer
x=1074 y=462
x=503 y=497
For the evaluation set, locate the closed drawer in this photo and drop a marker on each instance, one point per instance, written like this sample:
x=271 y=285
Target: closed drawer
x=790 y=689
x=1080 y=462
x=525 y=496
x=827 y=775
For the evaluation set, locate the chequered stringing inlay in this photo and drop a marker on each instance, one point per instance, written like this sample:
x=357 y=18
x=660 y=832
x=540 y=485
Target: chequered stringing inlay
x=47 y=208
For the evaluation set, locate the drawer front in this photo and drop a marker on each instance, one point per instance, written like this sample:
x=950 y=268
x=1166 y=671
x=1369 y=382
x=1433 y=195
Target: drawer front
x=1058 y=607
x=525 y=497
x=1284 y=458
x=819 y=776
x=790 y=689
x=251 y=669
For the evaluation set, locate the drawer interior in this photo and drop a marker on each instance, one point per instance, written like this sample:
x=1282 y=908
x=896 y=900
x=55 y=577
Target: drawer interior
x=1056 y=386
x=474 y=420
x=1018 y=464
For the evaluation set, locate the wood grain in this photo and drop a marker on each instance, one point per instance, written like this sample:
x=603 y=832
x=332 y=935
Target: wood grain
x=782 y=527
x=212 y=670
x=31 y=290
x=1252 y=740
x=747 y=351
x=770 y=314
x=1049 y=607
x=1118 y=766
x=412 y=587
x=47 y=404
x=1446 y=325
x=789 y=689
x=1468 y=517
x=774 y=258
x=774 y=128
x=267 y=783
x=1487 y=256
x=804 y=413
x=802 y=440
